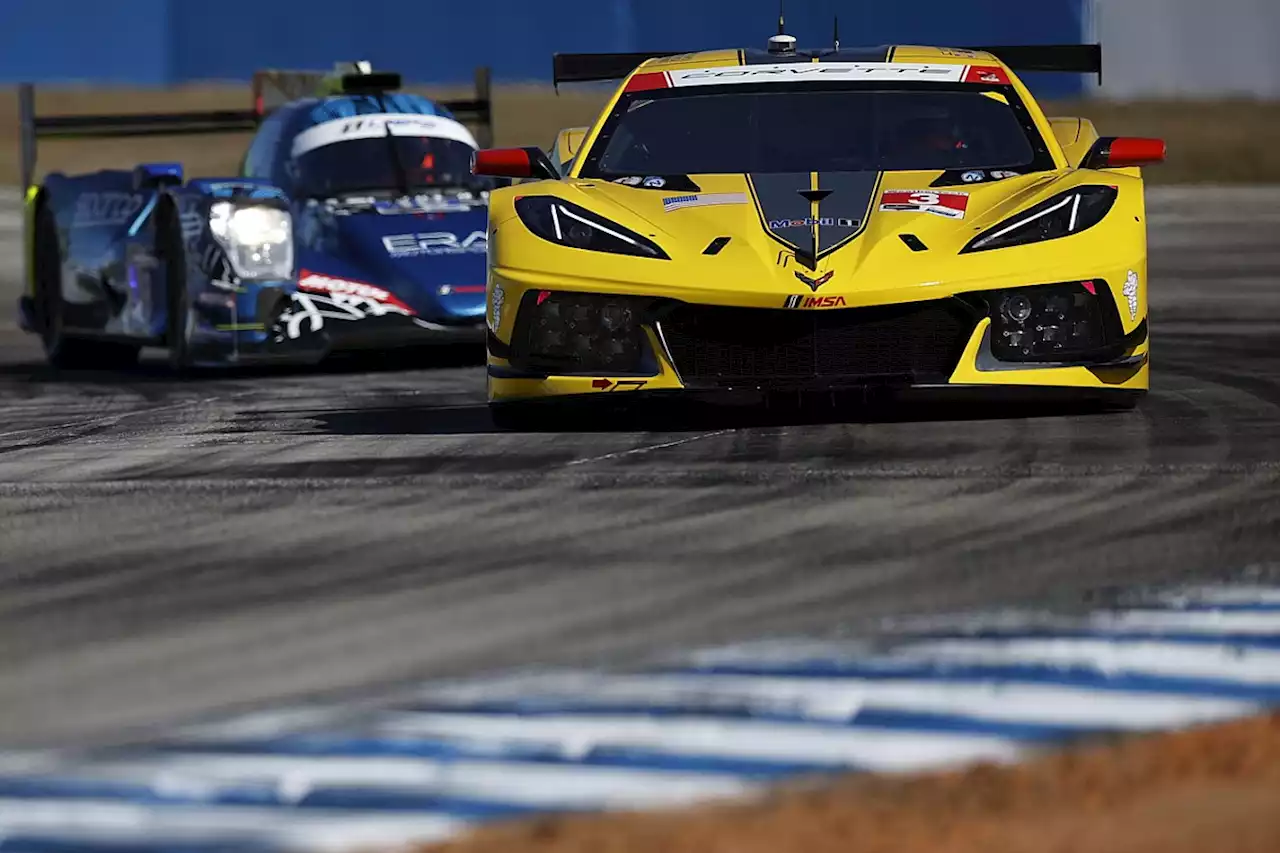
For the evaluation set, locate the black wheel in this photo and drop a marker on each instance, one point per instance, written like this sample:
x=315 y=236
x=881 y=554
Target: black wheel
x=171 y=253
x=62 y=350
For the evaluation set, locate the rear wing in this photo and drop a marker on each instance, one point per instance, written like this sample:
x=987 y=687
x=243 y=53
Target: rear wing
x=595 y=67
x=271 y=88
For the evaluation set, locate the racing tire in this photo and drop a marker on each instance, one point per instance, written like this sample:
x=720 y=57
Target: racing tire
x=170 y=251
x=62 y=350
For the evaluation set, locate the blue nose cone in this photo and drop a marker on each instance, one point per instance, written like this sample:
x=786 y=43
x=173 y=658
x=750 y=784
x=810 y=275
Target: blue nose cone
x=434 y=262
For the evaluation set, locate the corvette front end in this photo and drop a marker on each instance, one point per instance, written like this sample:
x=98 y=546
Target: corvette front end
x=900 y=308
x=686 y=250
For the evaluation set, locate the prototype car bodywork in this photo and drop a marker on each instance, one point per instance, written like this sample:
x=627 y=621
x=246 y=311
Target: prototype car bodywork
x=355 y=223
x=783 y=220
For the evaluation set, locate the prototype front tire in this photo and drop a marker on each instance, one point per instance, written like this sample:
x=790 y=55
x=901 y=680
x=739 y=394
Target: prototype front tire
x=170 y=251
x=64 y=351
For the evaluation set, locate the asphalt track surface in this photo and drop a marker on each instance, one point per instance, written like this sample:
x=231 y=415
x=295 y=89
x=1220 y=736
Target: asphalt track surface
x=171 y=550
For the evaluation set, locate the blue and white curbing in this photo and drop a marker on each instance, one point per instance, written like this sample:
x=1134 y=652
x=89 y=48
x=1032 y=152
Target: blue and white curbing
x=714 y=724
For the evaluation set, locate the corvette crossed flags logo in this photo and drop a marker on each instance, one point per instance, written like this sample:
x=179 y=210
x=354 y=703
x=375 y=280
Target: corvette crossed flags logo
x=815 y=283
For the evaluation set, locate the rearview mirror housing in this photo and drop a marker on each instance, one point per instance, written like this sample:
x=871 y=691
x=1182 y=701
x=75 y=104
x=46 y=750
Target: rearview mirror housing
x=1118 y=152
x=531 y=162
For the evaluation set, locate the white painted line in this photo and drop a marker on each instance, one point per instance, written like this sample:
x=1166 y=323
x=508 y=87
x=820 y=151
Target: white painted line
x=527 y=784
x=648 y=448
x=101 y=821
x=1220 y=663
x=577 y=736
x=1262 y=624
x=842 y=699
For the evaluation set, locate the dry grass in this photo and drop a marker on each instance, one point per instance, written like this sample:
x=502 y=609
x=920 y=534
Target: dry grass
x=1213 y=790
x=1228 y=142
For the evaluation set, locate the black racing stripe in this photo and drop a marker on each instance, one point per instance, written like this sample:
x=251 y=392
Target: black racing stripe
x=843 y=214
x=783 y=210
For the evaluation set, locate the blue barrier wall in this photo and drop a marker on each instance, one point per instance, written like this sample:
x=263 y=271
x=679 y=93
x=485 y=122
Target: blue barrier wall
x=162 y=42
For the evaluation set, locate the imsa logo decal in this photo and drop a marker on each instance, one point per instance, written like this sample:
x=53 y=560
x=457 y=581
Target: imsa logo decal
x=800 y=301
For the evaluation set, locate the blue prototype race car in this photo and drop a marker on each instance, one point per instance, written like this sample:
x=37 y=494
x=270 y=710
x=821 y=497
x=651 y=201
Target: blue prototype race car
x=355 y=223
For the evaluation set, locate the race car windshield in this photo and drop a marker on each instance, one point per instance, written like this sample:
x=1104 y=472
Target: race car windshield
x=393 y=163
x=810 y=130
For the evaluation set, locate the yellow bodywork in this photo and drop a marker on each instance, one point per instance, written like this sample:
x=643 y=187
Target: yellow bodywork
x=568 y=144
x=876 y=268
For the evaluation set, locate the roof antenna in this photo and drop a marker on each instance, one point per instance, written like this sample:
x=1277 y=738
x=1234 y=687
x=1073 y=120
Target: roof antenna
x=782 y=43
x=836 y=27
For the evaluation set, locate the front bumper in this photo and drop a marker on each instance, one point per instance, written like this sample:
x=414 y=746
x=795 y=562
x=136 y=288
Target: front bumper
x=920 y=344
x=272 y=326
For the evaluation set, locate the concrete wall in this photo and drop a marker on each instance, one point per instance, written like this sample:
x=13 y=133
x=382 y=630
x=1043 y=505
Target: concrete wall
x=1151 y=47
x=162 y=42
x=1189 y=48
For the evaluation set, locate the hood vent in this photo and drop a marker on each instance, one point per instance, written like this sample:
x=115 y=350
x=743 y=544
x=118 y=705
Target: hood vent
x=714 y=247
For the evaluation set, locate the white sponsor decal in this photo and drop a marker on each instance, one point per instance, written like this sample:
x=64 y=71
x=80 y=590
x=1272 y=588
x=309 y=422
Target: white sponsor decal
x=949 y=204
x=380 y=124
x=793 y=71
x=312 y=310
x=702 y=200
x=95 y=210
x=192 y=215
x=1131 y=293
x=343 y=289
x=435 y=243
x=496 y=301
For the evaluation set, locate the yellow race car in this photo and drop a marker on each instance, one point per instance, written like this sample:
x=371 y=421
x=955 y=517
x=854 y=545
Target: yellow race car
x=785 y=220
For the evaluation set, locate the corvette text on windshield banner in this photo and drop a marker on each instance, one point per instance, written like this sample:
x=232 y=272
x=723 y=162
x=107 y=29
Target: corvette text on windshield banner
x=793 y=72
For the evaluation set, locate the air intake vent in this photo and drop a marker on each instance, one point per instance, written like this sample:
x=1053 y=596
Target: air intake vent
x=714 y=247
x=916 y=342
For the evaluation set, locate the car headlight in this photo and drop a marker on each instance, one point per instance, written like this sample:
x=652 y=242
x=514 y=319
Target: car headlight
x=258 y=239
x=579 y=332
x=1061 y=216
x=569 y=225
x=1051 y=322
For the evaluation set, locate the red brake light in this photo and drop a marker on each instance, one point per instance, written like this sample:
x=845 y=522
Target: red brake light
x=1135 y=151
x=502 y=163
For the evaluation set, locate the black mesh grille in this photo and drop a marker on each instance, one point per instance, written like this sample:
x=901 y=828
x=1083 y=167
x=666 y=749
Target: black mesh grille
x=916 y=342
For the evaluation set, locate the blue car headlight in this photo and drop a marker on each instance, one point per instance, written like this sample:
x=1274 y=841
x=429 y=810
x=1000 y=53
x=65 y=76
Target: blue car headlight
x=257 y=239
x=1061 y=216
x=567 y=224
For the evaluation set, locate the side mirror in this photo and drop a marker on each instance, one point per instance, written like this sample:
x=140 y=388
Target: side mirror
x=1117 y=152
x=513 y=163
x=151 y=175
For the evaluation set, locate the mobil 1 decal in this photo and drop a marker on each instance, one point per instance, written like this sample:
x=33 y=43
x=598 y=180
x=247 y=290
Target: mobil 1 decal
x=814 y=213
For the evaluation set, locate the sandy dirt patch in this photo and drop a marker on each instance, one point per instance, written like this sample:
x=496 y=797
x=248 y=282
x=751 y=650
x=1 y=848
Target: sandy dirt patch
x=1210 y=790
